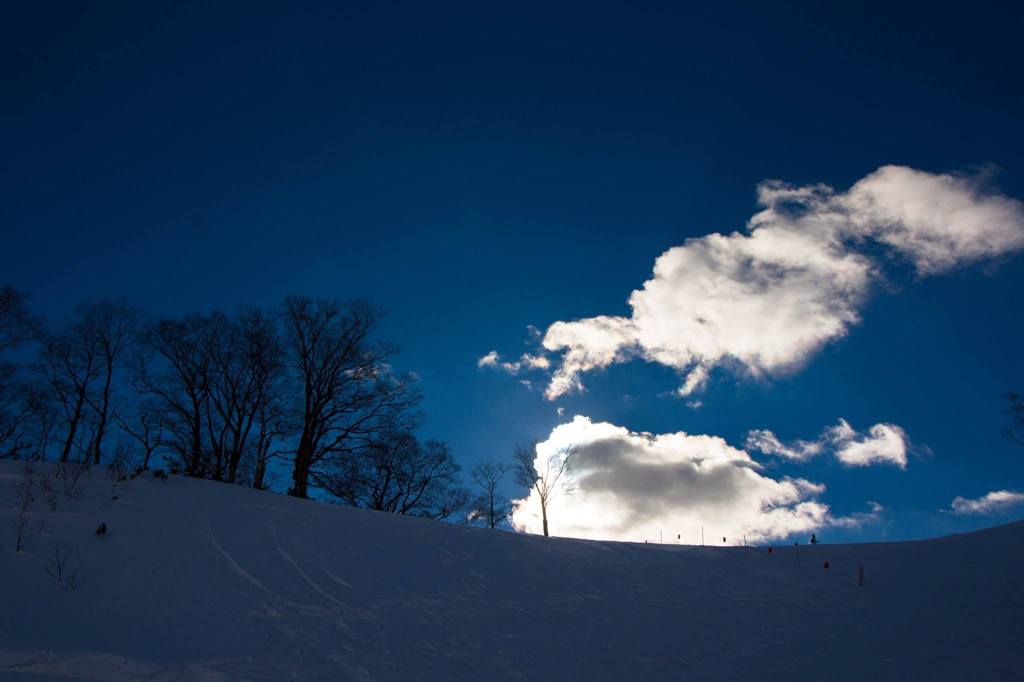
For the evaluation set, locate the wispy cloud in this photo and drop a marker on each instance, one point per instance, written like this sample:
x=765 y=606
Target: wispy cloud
x=995 y=502
x=881 y=444
x=765 y=441
x=765 y=300
x=525 y=362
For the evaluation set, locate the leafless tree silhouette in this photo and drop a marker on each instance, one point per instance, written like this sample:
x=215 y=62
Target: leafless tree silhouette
x=20 y=402
x=71 y=364
x=145 y=426
x=111 y=328
x=546 y=475
x=490 y=507
x=347 y=396
x=399 y=474
x=172 y=368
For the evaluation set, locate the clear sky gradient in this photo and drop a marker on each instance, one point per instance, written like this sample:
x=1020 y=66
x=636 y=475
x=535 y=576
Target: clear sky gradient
x=476 y=170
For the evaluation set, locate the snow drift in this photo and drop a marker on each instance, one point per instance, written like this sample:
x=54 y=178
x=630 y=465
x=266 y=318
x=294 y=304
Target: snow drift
x=197 y=580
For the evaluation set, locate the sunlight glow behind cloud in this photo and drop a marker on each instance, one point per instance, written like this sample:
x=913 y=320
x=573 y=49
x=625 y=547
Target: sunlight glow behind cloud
x=639 y=486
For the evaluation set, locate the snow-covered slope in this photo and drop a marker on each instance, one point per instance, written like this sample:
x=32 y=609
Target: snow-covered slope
x=201 y=581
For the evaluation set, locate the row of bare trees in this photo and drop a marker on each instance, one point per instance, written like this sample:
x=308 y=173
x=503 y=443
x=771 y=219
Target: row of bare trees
x=20 y=401
x=306 y=393
x=211 y=394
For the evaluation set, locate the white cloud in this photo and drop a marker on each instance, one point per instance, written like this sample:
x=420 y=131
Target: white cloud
x=525 y=362
x=633 y=486
x=937 y=221
x=881 y=444
x=763 y=440
x=489 y=360
x=765 y=300
x=589 y=344
x=994 y=502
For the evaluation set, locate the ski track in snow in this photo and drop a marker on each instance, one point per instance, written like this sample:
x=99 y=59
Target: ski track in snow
x=234 y=564
x=305 y=576
x=334 y=578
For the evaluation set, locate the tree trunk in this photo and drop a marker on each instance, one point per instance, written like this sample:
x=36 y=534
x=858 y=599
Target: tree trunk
x=235 y=453
x=493 y=512
x=259 y=472
x=300 y=479
x=197 y=442
x=300 y=473
x=102 y=425
x=72 y=429
x=544 y=515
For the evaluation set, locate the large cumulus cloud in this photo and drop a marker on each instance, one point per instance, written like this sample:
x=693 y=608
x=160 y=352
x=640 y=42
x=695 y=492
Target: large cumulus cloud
x=766 y=299
x=635 y=486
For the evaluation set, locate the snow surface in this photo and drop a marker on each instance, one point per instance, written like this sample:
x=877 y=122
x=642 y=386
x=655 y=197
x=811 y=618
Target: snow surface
x=197 y=580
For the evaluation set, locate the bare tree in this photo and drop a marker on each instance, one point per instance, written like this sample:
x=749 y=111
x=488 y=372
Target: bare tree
x=71 y=365
x=399 y=474
x=450 y=503
x=25 y=420
x=490 y=506
x=547 y=476
x=246 y=364
x=71 y=474
x=25 y=527
x=264 y=352
x=19 y=400
x=172 y=368
x=17 y=325
x=146 y=427
x=273 y=422
x=57 y=561
x=347 y=394
x=110 y=327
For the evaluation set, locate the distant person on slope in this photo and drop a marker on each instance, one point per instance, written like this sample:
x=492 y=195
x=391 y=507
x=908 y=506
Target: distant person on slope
x=814 y=539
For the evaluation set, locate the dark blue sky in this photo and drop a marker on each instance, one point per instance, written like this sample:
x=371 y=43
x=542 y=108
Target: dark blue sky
x=476 y=171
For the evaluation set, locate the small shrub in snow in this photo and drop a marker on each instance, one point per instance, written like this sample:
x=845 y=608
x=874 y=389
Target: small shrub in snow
x=57 y=560
x=46 y=486
x=101 y=529
x=25 y=528
x=70 y=474
x=120 y=465
x=160 y=474
x=116 y=474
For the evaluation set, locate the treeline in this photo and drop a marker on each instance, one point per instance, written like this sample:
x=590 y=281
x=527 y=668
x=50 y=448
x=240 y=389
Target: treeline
x=304 y=393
